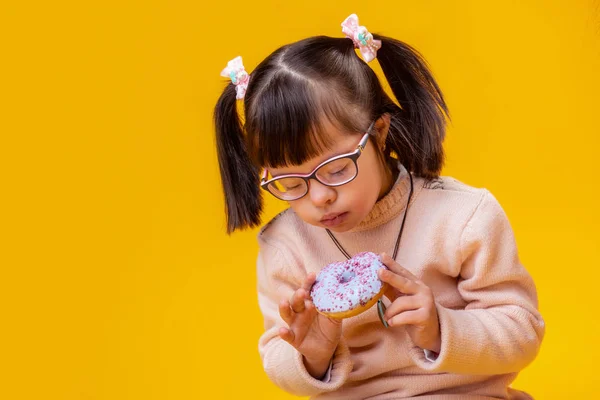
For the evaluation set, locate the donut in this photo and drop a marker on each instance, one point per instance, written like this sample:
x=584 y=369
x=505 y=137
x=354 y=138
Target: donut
x=345 y=289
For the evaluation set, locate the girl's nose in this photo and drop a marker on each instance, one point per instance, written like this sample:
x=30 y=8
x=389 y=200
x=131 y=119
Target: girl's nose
x=320 y=194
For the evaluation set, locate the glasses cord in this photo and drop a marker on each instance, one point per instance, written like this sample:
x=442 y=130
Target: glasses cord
x=380 y=305
x=397 y=245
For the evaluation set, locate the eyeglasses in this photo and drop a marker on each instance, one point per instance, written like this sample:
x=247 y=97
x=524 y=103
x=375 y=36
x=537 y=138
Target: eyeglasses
x=336 y=171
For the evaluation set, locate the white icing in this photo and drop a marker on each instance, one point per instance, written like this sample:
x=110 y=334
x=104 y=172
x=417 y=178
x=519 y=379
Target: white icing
x=343 y=286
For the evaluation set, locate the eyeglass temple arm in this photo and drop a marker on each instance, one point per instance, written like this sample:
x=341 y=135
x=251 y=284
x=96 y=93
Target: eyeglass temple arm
x=362 y=145
x=365 y=138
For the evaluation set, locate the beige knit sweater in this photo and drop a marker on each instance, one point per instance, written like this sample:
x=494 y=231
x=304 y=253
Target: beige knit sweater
x=457 y=240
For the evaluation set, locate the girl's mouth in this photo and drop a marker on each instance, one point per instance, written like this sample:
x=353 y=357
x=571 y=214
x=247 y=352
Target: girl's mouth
x=331 y=220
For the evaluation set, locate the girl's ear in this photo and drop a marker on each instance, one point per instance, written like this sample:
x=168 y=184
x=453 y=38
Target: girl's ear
x=382 y=126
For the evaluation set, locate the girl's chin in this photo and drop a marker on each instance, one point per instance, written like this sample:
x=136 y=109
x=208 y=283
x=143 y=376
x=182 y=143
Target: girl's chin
x=340 y=229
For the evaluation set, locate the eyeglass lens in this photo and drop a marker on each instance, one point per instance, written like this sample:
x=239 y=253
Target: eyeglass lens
x=334 y=173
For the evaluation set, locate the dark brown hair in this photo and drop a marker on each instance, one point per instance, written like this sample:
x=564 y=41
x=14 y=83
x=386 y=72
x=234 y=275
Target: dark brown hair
x=299 y=86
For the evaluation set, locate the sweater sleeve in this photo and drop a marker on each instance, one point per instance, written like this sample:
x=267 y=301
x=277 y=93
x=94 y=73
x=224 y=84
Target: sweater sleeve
x=278 y=278
x=500 y=330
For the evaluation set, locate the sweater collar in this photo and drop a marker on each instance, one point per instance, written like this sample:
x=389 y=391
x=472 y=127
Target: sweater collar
x=390 y=205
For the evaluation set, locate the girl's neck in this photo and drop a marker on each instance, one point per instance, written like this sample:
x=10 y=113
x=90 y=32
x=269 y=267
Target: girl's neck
x=391 y=174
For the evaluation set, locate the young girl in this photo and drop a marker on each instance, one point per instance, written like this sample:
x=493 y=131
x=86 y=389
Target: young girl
x=360 y=172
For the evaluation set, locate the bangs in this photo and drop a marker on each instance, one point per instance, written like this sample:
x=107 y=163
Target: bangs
x=287 y=124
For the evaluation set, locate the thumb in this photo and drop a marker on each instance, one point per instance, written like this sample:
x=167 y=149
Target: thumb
x=331 y=321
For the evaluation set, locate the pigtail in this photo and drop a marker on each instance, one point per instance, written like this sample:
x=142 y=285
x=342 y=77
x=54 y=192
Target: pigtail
x=239 y=176
x=418 y=130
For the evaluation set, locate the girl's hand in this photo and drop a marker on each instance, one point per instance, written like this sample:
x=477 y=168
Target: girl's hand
x=314 y=335
x=412 y=305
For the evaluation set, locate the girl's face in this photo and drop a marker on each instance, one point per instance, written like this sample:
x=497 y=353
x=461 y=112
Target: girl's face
x=343 y=207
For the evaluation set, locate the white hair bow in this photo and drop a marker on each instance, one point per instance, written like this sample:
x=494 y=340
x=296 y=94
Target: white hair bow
x=362 y=38
x=238 y=75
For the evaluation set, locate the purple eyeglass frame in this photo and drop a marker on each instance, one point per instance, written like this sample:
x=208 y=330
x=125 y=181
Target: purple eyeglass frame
x=264 y=183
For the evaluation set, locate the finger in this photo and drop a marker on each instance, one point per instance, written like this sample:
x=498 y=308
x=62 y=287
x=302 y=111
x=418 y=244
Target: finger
x=298 y=300
x=395 y=267
x=392 y=293
x=309 y=281
x=400 y=270
x=310 y=309
x=287 y=335
x=286 y=312
x=413 y=317
x=400 y=282
x=388 y=261
x=402 y=304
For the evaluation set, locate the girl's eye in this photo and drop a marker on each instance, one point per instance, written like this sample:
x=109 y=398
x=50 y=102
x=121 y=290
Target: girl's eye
x=290 y=184
x=338 y=172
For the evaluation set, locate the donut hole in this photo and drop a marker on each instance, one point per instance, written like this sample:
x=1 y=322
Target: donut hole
x=347 y=276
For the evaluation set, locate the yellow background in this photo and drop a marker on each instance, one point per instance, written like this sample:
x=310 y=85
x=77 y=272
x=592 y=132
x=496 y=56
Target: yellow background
x=118 y=281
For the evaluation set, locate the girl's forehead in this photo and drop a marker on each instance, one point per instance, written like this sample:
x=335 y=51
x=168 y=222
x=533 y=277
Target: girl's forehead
x=341 y=143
